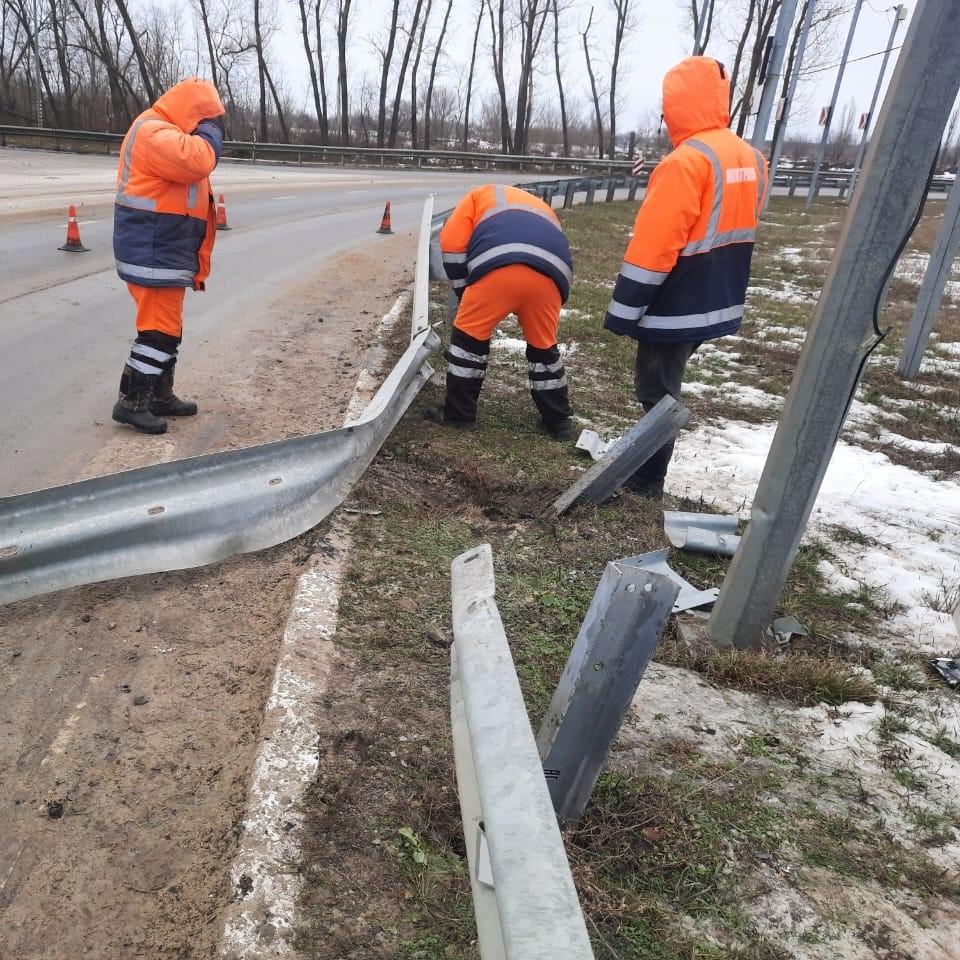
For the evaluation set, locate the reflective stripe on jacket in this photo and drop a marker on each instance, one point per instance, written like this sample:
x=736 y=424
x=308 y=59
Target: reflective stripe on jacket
x=164 y=219
x=685 y=272
x=496 y=226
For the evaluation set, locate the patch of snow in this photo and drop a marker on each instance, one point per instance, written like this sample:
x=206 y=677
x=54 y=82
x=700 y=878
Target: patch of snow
x=787 y=293
x=862 y=490
x=836 y=581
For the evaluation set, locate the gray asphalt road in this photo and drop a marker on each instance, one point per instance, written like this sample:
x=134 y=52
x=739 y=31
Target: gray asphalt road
x=66 y=319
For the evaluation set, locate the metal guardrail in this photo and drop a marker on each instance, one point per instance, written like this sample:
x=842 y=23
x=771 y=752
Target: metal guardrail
x=524 y=897
x=792 y=179
x=193 y=512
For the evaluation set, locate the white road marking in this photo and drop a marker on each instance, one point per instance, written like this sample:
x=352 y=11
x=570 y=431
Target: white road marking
x=358 y=191
x=290 y=197
x=83 y=223
x=263 y=913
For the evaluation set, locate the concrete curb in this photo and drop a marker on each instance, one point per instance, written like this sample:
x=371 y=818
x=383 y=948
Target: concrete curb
x=263 y=913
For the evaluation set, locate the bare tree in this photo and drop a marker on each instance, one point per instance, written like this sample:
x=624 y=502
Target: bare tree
x=584 y=35
x=317 y=84
x=386 y=56
x=705 y=27
x=208 y=36
x=343 y=26
x=137 y=49
x=841 y=134
x=533 y=19
x=413 y=75
x=473 y=62
x=564 y=125
x=623 y=24
x=433 y=76
x=497 y=43
x=404 y=63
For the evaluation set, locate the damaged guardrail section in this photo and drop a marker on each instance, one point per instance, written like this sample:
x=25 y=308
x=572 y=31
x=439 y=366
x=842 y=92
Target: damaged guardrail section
x=193 y=512
x=524 y=898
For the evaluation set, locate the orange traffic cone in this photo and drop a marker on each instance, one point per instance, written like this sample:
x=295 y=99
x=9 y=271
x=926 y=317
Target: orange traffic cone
x=385 y=220
x=222 y=215
x=73 y=244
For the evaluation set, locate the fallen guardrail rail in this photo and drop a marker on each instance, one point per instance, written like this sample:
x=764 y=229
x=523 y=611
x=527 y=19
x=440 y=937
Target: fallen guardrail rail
x=525 y=902
x=189 y=513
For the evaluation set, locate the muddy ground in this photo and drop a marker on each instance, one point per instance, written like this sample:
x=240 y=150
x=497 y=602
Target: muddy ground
x=130 y=711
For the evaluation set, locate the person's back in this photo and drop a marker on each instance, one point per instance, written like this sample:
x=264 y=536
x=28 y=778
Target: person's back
x=685 y=272
x=505 y=252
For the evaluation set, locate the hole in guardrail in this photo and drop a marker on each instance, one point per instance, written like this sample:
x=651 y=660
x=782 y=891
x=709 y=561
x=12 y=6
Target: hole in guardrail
x=154 y=511
x=275 y=481
x=10 y=551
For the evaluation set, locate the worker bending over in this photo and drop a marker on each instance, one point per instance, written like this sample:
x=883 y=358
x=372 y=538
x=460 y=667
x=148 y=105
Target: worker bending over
x=685 y=273
x=163 y=230
x=505 y=252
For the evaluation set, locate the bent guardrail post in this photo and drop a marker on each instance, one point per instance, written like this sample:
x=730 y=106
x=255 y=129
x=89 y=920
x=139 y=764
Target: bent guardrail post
x=568 y=192
x=627 y=455
x=524 y=897
x=616 y=641
x=189 y=513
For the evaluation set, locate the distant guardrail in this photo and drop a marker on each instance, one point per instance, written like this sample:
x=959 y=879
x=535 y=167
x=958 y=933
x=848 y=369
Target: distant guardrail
x=791 y=178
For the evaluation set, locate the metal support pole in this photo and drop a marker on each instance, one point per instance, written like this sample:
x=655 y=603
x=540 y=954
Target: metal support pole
x=931 y=290
x=825 y=136
x=906 y=141
x=569 y=191
x=780 y=130
x=781 y=40
x=899 y=16
x=607 y=663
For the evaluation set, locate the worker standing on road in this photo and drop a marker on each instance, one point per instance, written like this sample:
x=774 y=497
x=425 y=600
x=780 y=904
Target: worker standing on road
x=685 y=273
x=505 y=252
x=163 y=231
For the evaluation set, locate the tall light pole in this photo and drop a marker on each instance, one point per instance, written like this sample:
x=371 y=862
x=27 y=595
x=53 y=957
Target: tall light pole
x=781 y=39
x=780 y=130
x=825 y=136
x=899 y=15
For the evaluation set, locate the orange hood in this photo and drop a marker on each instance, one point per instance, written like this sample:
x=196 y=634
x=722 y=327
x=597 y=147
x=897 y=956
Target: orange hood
x=188 y=102
x=696 y=97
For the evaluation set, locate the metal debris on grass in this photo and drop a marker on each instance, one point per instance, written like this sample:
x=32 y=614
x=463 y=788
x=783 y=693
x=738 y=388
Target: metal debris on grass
x=948 y=670
x=702 y=532
x=689 y=596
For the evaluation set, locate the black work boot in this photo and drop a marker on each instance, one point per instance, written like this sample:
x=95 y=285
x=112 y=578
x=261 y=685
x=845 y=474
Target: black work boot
x=133 y=404
x=438 y=415
x=166 y=403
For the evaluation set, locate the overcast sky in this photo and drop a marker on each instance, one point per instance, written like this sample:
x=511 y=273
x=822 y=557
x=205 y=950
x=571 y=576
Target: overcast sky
x=659 y=41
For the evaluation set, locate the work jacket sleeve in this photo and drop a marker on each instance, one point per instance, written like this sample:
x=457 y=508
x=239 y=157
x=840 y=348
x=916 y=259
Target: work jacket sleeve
x=454 y=241
x=179 y=157
x=661 y=230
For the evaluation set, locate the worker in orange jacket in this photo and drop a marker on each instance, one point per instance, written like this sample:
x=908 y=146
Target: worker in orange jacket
x=685 y=273
x=505 y=252
x=163 y=231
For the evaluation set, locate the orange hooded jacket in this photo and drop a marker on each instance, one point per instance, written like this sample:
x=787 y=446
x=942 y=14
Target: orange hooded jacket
x=164 y=218
x=497 y=226
x=685 y=272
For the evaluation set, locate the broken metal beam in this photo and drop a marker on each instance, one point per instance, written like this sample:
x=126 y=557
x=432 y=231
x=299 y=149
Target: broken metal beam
x=607 y=663
x=631 y=452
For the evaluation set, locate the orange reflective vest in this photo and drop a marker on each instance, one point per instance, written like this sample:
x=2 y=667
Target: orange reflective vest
x=685 y=272
x=164 y=218
x=497 y=226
